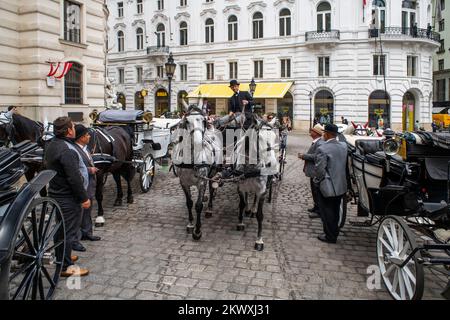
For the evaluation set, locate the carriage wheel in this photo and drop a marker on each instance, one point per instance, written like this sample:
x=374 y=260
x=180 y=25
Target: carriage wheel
x=37 y=260
x=342 y=212
x=395 y=242
x=147 y=173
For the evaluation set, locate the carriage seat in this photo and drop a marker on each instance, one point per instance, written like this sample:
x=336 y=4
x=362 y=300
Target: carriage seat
x=369 y=146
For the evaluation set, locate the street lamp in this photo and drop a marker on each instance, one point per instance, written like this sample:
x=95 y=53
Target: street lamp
x=170 y=71
x=310 y=95
x=252 y=87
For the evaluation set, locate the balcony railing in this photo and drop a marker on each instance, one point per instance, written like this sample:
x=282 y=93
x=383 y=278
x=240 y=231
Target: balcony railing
x=401 y=33
x=322 y=36
x=155 y=50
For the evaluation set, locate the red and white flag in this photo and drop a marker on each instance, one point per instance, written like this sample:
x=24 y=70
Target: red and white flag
x=364 y=3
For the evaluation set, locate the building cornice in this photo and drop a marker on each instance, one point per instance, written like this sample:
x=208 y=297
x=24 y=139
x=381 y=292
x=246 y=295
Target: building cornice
x=235 y=8
x=278 y=2
x=206 y=11
x=252 y=5
x=120 y=25
x=159 y=16
x=140 y=21
x=182 y=14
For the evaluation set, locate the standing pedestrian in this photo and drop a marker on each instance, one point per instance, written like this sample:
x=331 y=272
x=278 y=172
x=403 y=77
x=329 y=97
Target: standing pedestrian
x=82 y=140
x=434 y=126
x=68 y=187
x=309 y=158
x=330 y=175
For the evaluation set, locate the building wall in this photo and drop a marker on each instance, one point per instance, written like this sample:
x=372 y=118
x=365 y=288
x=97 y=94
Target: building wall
x=445 y=55
x=31 y=34
x=351 y=77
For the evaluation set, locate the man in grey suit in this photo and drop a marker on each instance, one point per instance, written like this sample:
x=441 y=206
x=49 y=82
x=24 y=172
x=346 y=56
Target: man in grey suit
x=309 y=157
x=330 y=175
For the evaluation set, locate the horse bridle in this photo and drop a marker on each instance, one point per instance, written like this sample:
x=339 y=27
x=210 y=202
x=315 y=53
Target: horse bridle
x=8 y=122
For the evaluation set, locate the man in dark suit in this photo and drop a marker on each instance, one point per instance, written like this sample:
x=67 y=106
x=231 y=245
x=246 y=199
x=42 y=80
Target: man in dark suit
x=309 y=158
x=331 y=175
x=240 y=101
x=82 y=138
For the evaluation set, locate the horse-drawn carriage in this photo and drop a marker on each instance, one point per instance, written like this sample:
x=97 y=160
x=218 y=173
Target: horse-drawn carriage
x=403 y=183
x=150 y=138
x=32 y=237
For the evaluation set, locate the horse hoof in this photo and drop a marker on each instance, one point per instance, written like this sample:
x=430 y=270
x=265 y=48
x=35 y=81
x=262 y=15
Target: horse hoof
x=117 y=203
x=259 y=246
x=248 y=213
x=190 y=229
x=208 y=214
x=240 y=227
x=130 y=200
x=99 y=225
x=196 y=236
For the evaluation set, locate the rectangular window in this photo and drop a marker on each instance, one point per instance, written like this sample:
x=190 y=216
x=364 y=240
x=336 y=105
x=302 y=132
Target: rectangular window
x=183 y=72
x=258 y=69
x=73 y=85
x=207 y=1
x=160 y=4
x=183 y=3
x=442 y=25
x=412 y=66
x=139 y=74
x=324 y=66
x=285 y=68
x=440 y=90
x=379 y=65
x=121 y=76
x=233 y=70
x=72 y=22
x=442 y=4
x=441 y=64
x=442 y=47
x=160 y=71
x=140 y=6
x=120 y=9
x=210 y=71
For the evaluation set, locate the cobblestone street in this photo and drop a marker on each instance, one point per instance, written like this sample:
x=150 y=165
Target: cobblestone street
x=145 y=252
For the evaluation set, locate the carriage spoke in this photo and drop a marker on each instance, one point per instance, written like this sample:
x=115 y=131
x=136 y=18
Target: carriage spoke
x=44 y=235
x=394 y=235
x=395 y=282
x=404 y=250
x=35 y=284
x=28 y=240
x=42 y=221
x=41 y=286
x=54 y=246
x=24 y=281
x=389 y=236
x=24 y=255
x=401 y=282
x=407 y=283
x=389 y=270
x=52 y=234
x=400 y=239
x=409 y=274
x=34 y=228
x=386 y=245
x=22 y=270
x=29 y=284
x=49 y=278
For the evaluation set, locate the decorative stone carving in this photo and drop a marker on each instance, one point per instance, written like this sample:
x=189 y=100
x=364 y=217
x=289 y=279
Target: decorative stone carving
x=261 y=4
x=231 y=8
x=206 y=11
x=182 y=14
x=159 y=16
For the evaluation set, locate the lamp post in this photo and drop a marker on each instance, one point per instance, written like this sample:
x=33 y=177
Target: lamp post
x=252 y=87
x=170 y=71
x=310 y=95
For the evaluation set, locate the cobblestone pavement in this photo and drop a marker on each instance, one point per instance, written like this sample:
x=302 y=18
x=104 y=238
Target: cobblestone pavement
x=145 y=252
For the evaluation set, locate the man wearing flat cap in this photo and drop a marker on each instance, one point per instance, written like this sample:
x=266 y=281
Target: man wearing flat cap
x=82 y=139
x=309 y=157
x=240 y=100
x=330 y=176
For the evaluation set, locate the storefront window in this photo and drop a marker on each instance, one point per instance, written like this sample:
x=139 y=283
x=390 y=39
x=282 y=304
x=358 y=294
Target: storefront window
x=323 y=107
x=379 y=110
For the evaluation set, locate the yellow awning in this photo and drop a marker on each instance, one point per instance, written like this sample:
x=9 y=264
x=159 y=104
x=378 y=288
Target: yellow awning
x=274 y=90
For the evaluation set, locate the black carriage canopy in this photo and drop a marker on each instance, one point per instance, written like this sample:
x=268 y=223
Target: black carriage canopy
x=120 y=115
x=437 y=168
x=435 y=139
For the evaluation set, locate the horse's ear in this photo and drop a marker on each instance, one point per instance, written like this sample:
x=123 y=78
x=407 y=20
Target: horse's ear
x=354 y=125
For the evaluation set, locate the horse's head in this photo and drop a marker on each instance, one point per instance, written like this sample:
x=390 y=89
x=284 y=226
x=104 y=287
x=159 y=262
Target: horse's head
x=195 y=124
x=6 y=128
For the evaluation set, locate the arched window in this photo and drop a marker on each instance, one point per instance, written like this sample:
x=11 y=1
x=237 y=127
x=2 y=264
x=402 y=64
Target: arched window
x=139 y=38
x=183 y=33
x=258 y=25
x=285 y=22
x=73 y=85
x=379 y=15
x=120 y=41
x=323 y=107
x=209 y=30
x=232 y=28
x=379 y=109
x=160 y=35
x=409 y=17
x=324 y=17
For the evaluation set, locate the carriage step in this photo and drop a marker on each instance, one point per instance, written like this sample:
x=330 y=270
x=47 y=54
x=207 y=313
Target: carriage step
x=364 y=224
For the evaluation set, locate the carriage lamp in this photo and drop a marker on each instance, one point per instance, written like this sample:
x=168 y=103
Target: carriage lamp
x=170 y=71
x=252 y=86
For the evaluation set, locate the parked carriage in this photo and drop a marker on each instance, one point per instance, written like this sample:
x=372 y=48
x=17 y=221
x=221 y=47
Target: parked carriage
x=150 y=136
x=402 y=193
x=32 y=237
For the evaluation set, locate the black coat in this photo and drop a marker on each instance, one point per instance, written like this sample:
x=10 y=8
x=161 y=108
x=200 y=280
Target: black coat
x=236 y=105
x=68 y=182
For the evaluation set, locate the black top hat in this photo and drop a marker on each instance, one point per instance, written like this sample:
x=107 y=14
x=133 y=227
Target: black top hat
x=331 y=128
x=234 y=83
x=80 y=131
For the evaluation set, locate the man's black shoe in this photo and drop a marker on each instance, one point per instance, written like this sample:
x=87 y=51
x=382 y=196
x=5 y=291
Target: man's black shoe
x=76 y=246
x=91 y=238
x=324 y=238
x=313 y=215
x=314 y=209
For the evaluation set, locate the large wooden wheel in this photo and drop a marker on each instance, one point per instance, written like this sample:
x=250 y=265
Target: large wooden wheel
x=36 y=263
x=147 y=173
